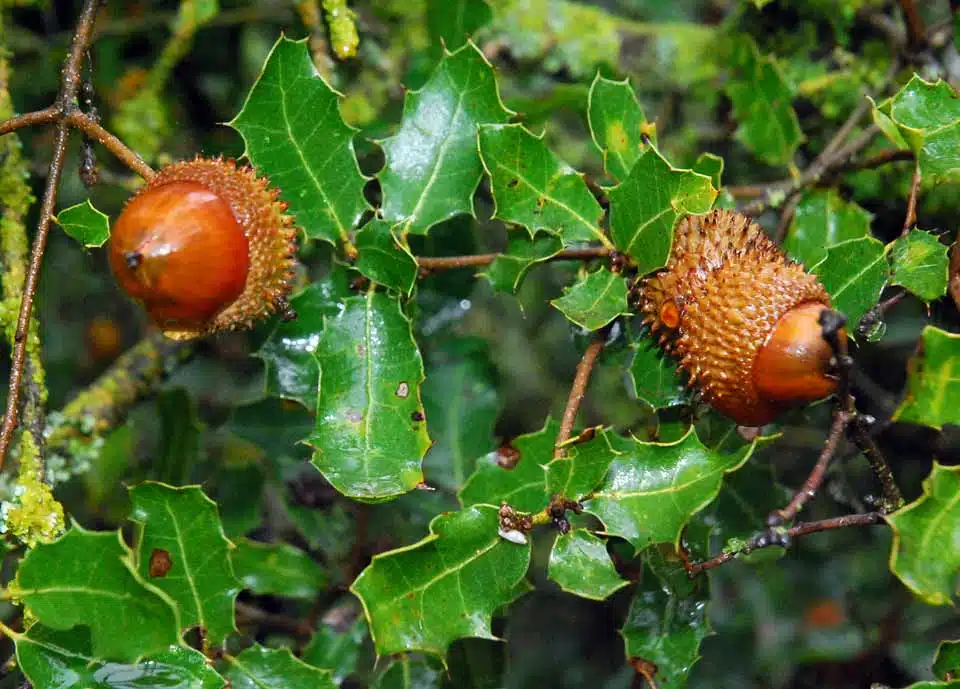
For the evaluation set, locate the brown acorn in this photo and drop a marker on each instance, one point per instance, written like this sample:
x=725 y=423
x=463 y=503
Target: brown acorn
x=206 y=247
x=741 y=318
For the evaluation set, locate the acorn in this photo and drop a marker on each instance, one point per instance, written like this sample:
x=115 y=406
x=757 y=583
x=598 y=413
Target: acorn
x=205 y=246
x=741 y=318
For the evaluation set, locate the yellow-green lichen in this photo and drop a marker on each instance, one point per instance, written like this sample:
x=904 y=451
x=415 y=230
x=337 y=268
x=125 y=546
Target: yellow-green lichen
x=33 y=516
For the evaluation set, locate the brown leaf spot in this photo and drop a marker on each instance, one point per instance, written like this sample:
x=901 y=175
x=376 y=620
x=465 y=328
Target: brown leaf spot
x=417 y=416
x=160 y=563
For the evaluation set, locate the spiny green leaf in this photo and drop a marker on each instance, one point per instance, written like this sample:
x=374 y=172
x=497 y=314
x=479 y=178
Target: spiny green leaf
x=618 y=125
x=652 y=490
x=446 y=587
x=432 y=164
x=854 y=273
x=656 y=377
x=370 y=435
x=183 y=523
x=822 y=219
x=645 y=207
x=87 y=578
x=533 y=188
x=580 y=564
x=383 y=259
x=710 y=165
x=275 y=668
x=452 y=22
x=294 y=134
x=933 y=381
x=581 y=468
x=522 y=253
x=919 y=263
x=924 y=554
x=597 y=299
x=277 y=569
x=85 y=224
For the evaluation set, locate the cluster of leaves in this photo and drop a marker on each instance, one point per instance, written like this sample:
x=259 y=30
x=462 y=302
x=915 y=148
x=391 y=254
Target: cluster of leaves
x=390 y=398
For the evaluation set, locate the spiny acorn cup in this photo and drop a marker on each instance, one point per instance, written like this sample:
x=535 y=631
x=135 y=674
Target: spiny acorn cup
x=741 y=318
x=205 y=246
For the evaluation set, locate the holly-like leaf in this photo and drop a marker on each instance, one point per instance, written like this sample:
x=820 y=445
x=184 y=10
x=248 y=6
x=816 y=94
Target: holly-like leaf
x=383 y=259
x=452 y=22
x=924 y=554
x=581 y=468
x=854 y=273
x=514 y=474
x=289 y=354
x=580 y=564
x=919 y=263
x=275 y=668
x=54 y=659
x=181 y=527
x=933 y=381
x=656 y=377
x=432 y=163
x=534 y=188
x=597 y=299
x=462 y=403
x=337 y=648
x=85 y=224
x=821 y=220
x=522 y=253
x=237 y=488
x=277 y=569
x=762 y=104
x=948 y=660
x=446 y=587
x=293 y=132
x=618 y=125
x=710 y=165
x=646 y=205
x=370 y=435
x=88 y=578
x=652 y=490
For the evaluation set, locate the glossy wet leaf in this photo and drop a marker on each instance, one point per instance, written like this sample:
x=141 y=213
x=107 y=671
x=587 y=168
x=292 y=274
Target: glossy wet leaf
x=370 y=435
x=595 y=300
x=762 y=104
x=383 y=259
x=183 y=522
x=580 y=564
x=238 y=491
x=618 y=125
x=294 y=134
x=277 y=569
x=656 y=377
x=582 y=467
x=919 y=263
x=652 y=490
x=432 y=164
x=88 y=578
x=275 y=668
x=533 y=188
x=515 y=474
x=337 y=649
x=925 y=555
x=821 y=220
x=854 y=273
x=446 y=587
x=412 y=672
x=64 y=660
x=508 y=270
x=933 y=381
x=647 y=204
x=85 y=224
x=452 y=22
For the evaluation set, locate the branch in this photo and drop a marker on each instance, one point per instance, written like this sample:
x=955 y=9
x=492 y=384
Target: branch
x=431 y=263
x=916 y=32
x=120 y=150
x=579 y=389
x=911 y=217
x=45 y=116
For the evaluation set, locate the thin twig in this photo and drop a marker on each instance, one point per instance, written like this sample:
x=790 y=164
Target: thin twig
x=878 y=160
x=911 y=218
x=120 y=150
x=29 y=119
x=448 y=262
x=890 y=497
x=579 y=389
x=916 y=31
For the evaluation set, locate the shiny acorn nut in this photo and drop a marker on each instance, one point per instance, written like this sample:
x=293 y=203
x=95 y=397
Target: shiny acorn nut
x=206 y=247
x=741 y=318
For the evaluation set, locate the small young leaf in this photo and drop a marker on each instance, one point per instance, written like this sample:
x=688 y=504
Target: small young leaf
x=580 y=564
x=597 y=299
x=416 y=597
x=919 y=263
x=533 y=188
x=618 y=125
x=582 y=467
x=383 y=259
x=822 y=219
x=522 y=253
x=933 y=381
x=432 y=163
x=924 y=554
x=294 y=134
x=88 y=578
x=646 y=205
x=370 y=435
x=277 y=569
x=85 y=224
x=854 y=273
x=656 y=377
x=452 y=22
x=183 y=523
x=275 y=668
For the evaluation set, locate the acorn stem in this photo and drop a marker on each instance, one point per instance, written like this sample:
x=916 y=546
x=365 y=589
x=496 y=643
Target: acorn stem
x=579 y=389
